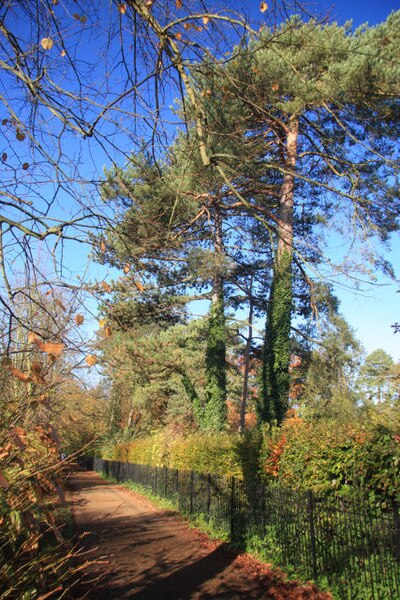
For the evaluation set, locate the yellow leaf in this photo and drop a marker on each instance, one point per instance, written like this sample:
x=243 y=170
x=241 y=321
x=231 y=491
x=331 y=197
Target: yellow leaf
x=91 y=360
x=47 y=43
x=122 y=9
x=206 y=20
x=263 y=7
x=63 y=53
x=79 y=319
x=102 y=323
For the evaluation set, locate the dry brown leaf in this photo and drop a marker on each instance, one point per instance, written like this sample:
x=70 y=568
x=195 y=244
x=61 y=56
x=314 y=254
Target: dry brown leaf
x=4 y=156
x=122 y=9
x=275 y=87
x=91 y=360
x=20 y=375
x=54 y=348
x=3 y=481
x=108 y=331
x=187 y=26
x=178 y=4
x=25 y=166
x=47 y=43
x=102 y=247
x=60 y=304
x=263 y=7
x=20 y=135
x=127 y=268
x=79 y=319
x=105 y=286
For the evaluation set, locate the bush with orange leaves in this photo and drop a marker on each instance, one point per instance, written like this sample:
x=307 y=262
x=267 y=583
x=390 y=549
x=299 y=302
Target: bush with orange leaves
x=345 y=459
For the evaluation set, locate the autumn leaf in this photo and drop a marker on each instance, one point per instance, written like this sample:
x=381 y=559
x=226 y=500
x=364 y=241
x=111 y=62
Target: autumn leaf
x=275 y=87
x=206 y=20
x=63 y=53
x=3 y=481
x=102 y=247
x=122 y=9
x=187 y=26
x=4 y=156
x=263 y=7
x=60 y=304
x=138 y=286
x=108 y=331
x=102 y=323
x=20 y=375
x=20 y=135
x=47 y=43
x=178 y=36
x=127 y=268
x=79 y=319
x=54 y=348
x=178 y=4
x=33 y=338
x=91 y=360
x=25 y=166
x=105 y=286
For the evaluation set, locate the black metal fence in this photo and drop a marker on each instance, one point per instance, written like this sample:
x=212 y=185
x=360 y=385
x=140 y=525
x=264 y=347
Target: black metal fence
x=352 y=547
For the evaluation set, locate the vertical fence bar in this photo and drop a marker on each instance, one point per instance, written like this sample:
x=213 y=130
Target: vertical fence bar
x=311 y=521
x=191 y=492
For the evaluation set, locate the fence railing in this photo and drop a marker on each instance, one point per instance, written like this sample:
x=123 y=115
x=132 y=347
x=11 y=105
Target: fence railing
x=352 y=547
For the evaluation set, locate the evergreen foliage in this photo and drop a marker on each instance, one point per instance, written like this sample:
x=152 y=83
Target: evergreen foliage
x=215 y=392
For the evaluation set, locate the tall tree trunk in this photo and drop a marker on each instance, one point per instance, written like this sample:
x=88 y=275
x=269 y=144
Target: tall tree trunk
x=245 y=388
x=275 y=378
x=215 y=409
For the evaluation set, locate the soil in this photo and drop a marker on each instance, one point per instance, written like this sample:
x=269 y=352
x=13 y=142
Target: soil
x=130 y=549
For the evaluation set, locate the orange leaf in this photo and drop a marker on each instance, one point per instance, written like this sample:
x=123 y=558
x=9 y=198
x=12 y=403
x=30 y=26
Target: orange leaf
x=3 y=481
x=178 y=4
x=206 y=20
x=102 y=246
x=20 y=375
x=79 y=319
x=275 y=87
x=122 y=9
x=91 y=360
x=33 y=338
x=54 y=348
x=127 y=268
x=139 y=286
x=187 y=26
x=178 y=36
x=105 y=286
x=263 y=7
x=108 y=331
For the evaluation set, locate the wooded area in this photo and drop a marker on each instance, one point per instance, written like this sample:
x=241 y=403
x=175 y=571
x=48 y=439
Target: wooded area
x=204 y=156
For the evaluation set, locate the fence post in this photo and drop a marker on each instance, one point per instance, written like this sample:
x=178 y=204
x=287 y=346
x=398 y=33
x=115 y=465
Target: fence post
x=313 y=548
x=208 y=495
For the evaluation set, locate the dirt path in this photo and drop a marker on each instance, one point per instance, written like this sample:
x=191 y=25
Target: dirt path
x=151 y=554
